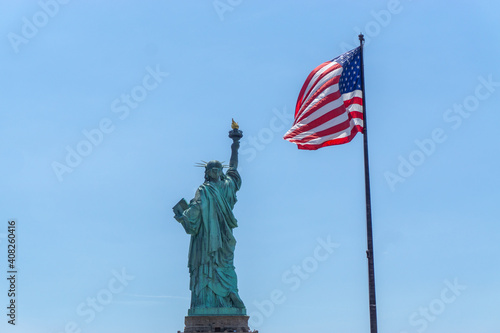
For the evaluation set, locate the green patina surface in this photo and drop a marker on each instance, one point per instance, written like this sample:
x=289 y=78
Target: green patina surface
x=210 y=221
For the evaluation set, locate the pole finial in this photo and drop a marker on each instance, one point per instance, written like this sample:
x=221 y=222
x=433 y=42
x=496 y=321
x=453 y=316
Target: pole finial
x=361 y=37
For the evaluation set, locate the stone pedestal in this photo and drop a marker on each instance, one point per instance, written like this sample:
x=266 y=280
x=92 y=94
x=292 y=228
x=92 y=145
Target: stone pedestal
x=237 y=324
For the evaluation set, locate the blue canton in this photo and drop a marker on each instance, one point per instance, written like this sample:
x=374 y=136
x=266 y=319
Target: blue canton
x=350 y=79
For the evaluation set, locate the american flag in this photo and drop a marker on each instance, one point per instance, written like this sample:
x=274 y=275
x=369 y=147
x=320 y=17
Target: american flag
x=329 y=109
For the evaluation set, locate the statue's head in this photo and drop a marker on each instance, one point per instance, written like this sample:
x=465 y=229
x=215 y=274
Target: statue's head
x=213 y=171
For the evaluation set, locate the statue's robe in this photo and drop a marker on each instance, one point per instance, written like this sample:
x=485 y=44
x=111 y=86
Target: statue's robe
x=209 y=220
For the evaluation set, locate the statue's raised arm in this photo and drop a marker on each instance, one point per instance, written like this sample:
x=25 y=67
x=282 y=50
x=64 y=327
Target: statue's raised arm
x=236 y=135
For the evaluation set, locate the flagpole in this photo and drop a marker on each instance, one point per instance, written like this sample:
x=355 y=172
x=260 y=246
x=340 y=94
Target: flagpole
x=369 y=251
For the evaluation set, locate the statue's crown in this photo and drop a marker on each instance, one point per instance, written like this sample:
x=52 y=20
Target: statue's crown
x=211 y=164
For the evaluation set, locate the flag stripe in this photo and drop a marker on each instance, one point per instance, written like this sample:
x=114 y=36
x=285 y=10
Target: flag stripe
x=332 y=139
x=321 y=89
x=340 y=130
x=337 y=141
x=332 y=101
x=311 y=80
x=322 y=119
x=320 y=82
x=330 y=118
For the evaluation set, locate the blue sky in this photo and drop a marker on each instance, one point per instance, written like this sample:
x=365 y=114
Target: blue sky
x=98 y=249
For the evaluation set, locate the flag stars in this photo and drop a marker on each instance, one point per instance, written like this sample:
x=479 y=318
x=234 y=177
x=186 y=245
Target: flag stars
x=350 y=79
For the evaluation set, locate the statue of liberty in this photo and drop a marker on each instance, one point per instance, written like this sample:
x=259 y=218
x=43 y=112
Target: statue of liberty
x=209 y=219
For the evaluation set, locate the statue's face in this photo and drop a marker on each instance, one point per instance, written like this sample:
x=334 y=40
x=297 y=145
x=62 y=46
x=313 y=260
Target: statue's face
x=214 y=173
